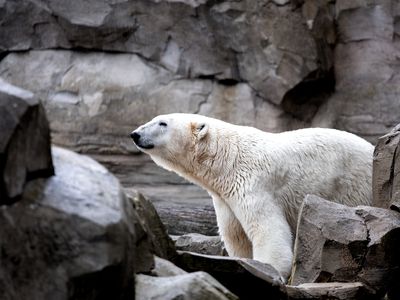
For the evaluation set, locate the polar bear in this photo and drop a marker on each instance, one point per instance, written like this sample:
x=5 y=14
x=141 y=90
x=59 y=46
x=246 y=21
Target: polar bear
x=258 y=180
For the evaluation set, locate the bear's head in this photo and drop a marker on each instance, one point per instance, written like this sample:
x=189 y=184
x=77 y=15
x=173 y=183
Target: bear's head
x=173 y=141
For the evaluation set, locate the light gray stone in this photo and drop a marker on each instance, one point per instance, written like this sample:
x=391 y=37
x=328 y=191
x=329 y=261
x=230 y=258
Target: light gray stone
x=194 y=242
x=193 y=286
x=365 y=98
x=165 y=268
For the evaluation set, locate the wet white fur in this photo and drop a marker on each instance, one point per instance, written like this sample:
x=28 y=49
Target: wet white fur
x=258 y=180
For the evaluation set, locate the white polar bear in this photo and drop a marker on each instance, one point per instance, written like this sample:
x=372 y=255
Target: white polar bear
x=258 y=180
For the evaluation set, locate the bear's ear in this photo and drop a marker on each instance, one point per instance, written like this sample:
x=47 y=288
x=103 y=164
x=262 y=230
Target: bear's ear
x=200 y=130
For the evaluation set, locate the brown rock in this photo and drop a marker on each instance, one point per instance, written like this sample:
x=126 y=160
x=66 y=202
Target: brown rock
x=339 y=243
x=386 y=171
x=24 y=141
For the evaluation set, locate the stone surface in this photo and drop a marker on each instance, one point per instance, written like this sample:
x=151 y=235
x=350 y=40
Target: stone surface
x=193 y=286
x=194 y=242
x=72 y=236
x=330 y=290
x=165 y=268
x=386 y=171
x=162 y=244
x=246 y=278
x=339 y=243
x=24 y=141
x=367 y=85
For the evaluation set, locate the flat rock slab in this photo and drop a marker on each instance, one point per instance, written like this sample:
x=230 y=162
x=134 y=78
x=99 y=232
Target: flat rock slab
x=193 y=286
x=346 y=244
x=329 y=290
x=246 y=278
x=72 y=236
x=199 y=243
x=24 y=141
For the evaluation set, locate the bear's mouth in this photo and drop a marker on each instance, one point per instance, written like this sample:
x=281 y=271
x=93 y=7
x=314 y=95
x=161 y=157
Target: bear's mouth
x=147 y=147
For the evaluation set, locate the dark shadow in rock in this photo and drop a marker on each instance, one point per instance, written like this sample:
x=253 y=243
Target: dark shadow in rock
x=303 y=100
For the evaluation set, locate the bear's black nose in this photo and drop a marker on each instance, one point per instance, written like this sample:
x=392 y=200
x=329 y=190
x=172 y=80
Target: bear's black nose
x=135 y=137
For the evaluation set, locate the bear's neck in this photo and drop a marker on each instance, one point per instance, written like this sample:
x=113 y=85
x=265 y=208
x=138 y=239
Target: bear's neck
x=217 y=163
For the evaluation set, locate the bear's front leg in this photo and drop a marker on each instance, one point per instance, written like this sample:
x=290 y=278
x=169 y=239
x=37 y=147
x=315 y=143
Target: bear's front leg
x=236 y=242
x=269 y=232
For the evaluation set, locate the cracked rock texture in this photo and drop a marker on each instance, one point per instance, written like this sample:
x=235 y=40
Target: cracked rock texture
x=24 y=141
x=347 y=244
x=386 y=171
x=104 y=67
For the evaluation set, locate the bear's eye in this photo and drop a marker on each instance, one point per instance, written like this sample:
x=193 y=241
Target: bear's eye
x=163 y=124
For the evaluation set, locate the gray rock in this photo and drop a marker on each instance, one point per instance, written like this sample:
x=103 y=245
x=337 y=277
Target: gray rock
x=165 y=268
x=339 y=243
x=330 y=290
x=192 y=38
x=24 y=141
x=194 y=242
x=72 y=236
x=386 y=171
x=366 y=93
x=193 y=286
x=163 y=246
x=246 y=278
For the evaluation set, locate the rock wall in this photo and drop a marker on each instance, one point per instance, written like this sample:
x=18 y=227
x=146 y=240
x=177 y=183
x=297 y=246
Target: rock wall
x=104 y=67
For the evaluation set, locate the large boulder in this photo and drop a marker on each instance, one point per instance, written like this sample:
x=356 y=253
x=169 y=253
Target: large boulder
x=386 y=171
x=348 y=244
x=72 y=236
x=24 y=141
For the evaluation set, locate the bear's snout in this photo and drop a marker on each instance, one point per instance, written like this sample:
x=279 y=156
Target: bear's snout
x=141 y=141
x=135 y=137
